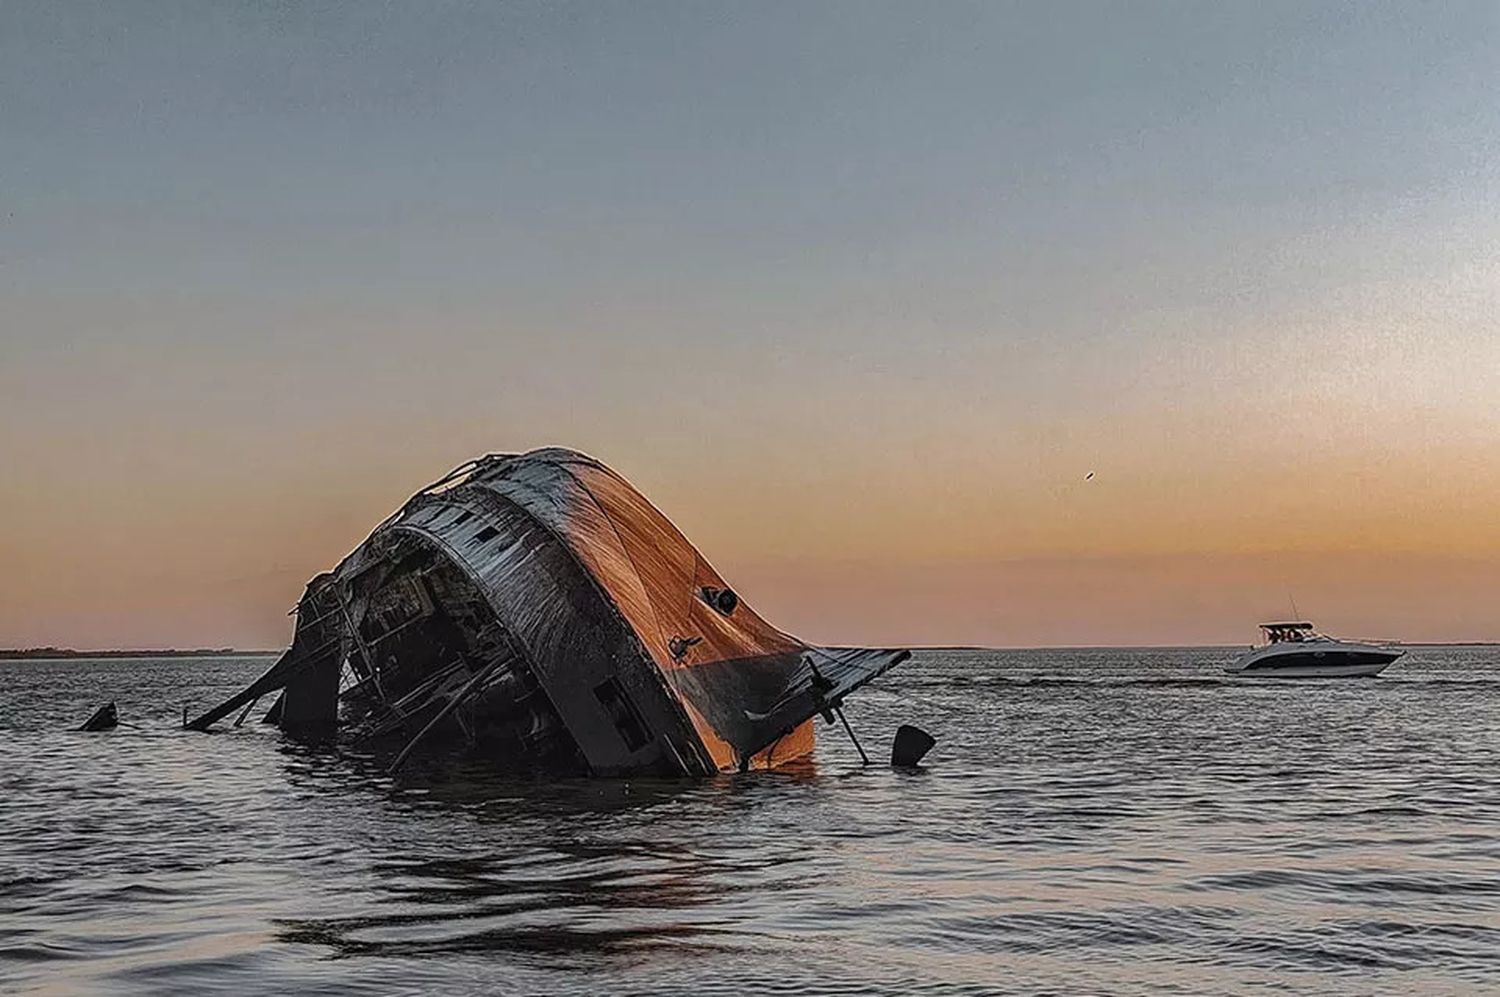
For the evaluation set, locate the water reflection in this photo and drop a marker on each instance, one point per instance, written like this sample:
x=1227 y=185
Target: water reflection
x=545 y=869
x=1106 y=821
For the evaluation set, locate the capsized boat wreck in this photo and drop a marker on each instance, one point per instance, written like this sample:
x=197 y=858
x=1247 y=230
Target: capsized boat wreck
x=536 y=610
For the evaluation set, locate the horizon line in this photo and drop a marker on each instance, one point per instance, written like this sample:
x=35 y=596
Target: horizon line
x=50 y=653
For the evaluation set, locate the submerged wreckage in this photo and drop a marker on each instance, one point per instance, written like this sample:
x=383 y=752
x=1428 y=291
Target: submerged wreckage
x=537 y=610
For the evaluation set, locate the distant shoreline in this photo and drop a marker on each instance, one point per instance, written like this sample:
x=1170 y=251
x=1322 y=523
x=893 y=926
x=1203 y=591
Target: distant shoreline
x=66 y=653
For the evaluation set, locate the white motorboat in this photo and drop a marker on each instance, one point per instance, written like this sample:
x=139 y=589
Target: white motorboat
x=1297 y=650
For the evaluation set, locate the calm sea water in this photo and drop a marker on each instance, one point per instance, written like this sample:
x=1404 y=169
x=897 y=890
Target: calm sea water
x=1117 y=821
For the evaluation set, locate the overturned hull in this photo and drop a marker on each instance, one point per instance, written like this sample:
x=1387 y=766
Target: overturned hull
x=538 y=611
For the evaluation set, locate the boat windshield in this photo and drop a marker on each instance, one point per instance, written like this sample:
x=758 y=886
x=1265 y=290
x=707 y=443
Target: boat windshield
x=1295 y=633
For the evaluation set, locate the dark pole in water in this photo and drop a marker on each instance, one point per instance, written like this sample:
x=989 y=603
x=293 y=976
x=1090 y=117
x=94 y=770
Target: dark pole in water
x=850 y=731
x=246 y=712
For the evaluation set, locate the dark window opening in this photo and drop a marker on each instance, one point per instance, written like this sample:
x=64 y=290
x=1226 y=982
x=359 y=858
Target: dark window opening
x=463 y=517
x=484 y=536
x=623 y=713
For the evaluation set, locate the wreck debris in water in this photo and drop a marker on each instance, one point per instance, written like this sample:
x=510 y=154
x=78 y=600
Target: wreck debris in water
x=537 y=610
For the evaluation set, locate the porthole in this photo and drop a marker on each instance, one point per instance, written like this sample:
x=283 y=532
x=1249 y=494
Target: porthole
x=723 y=600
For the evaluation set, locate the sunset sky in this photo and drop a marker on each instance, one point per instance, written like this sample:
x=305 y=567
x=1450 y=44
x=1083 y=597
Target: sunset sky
x=858 y=293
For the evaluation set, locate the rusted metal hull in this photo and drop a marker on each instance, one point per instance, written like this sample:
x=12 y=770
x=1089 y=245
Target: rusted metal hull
x=536 y=610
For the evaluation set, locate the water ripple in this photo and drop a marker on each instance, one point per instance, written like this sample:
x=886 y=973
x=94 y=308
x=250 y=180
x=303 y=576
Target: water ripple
x=1127 y=821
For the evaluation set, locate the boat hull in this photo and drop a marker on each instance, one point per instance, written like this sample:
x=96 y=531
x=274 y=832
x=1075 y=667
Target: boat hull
x=536 y=611
x=1314 y=672
x=1334 y=661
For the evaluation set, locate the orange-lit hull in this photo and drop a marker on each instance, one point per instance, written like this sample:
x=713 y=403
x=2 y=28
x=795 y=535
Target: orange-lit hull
x=538 y=610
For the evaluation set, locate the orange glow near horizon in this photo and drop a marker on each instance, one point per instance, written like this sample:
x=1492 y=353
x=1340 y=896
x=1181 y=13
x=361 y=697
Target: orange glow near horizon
x=869 y=549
